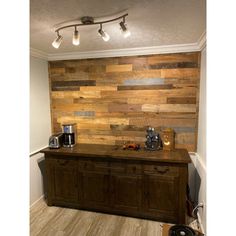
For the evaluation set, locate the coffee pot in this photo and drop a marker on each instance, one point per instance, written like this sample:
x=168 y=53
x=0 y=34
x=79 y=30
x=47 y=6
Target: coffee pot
x=69 y=135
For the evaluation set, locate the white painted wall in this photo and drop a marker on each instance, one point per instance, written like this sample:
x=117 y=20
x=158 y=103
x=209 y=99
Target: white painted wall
x=40 y=122
x=201 y=148
x=36 y=177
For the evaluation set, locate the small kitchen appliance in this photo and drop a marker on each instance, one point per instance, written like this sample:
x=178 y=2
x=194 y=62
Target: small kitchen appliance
x=168 y=139
x=69 y=135
x=56 y=140
x=153 y=141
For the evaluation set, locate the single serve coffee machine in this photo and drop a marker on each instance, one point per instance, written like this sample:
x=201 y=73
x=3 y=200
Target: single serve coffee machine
x=69 y=135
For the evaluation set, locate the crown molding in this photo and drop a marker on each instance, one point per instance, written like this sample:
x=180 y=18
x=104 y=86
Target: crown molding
x=38 y=54
x=191 y=47
x=202 y=41
x=125 y=52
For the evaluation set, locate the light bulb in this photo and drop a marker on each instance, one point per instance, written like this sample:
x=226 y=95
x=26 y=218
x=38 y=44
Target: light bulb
x=76 y=38
x=105 y=36
x=57 y=42
x=125 y=31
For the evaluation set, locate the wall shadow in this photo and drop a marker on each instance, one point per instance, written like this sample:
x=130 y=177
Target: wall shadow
x=41 y=165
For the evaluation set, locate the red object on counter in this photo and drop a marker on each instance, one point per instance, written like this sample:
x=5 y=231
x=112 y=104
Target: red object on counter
x=131 y=146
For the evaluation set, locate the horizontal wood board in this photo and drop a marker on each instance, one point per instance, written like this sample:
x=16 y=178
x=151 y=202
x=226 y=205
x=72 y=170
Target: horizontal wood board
x=113 y=100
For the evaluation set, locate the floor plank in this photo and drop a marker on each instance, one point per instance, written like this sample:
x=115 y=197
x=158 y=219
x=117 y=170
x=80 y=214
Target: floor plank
x=58 y=221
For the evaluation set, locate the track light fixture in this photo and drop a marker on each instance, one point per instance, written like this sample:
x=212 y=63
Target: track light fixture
x=57 y=42
x=88 y=20
x=105 y=36
x=76 y=37
x=125 y=31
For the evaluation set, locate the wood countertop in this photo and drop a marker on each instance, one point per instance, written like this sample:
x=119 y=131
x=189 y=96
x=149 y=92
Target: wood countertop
x=116 y=152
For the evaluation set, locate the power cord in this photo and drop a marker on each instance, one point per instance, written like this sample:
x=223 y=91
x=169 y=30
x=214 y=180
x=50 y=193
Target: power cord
x=200 y=205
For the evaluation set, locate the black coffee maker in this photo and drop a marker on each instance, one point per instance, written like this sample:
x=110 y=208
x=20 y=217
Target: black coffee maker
x=69 y=135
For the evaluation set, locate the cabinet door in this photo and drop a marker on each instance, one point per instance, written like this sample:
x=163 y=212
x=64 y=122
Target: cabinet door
x=161 y=195
x=93 y=189
x=64 y=180
x=126 y=192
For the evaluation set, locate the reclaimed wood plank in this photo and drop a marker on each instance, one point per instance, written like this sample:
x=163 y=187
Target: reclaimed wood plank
x=124 y=107
x=176 y=57
x=57 y=71
x=139 y=63
x=57 y=101
x=109 y=120
x=95 y=141
x=185 y=138
x=119 y=68
x=144 y=81
x=179 y=73
x=181 y=100
x=92 y=61
x=74 y=83
x=184 y=80
x=139 y=121
x=145 y=100
x=117 y=114
x=84 y=113
x=65 y=88
x=75 y=94
x=83 y=126
x=70 y=70
x=189 y=147
x=111 y=137
x=76 y=76
x=144 y=87
x=184 y=129
x=147 y=93
x=150 y=108
x=98 y=88
x=117 y=100
x=174 y=65
x=56 y=114
x=56 y=64
x=128 y=128
x=81 y=107
x=169 y=108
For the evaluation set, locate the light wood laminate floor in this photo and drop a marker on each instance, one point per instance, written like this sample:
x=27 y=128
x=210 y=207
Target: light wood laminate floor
x=57 y=221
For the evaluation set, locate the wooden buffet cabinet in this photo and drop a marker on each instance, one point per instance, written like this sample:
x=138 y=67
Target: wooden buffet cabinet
x=146 y=184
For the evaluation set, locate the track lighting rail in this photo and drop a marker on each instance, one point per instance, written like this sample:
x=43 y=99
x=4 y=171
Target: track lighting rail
x=92 y=23
x=88 y=20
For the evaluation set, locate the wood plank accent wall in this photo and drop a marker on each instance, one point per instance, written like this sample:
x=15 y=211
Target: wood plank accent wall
x=113 y=100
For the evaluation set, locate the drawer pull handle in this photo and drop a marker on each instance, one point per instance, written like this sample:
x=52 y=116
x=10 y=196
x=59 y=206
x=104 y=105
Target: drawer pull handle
x=62 y=162
x=161 y=171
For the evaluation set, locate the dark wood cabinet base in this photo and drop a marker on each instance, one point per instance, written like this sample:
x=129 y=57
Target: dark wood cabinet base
x=150 y=185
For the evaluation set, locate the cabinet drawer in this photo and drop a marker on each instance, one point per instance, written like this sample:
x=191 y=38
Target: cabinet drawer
x=98 y=166
x=161 y=169
x=134 y=169
x=63 y=162
x=117 y=167
x=120 y=167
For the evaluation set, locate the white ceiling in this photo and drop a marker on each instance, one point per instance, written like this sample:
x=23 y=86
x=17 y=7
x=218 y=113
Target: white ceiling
x=151 y=22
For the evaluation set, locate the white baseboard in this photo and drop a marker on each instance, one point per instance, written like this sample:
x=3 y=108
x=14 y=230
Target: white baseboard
x=37 y=201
